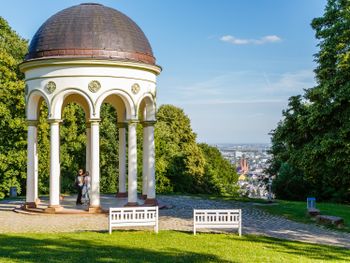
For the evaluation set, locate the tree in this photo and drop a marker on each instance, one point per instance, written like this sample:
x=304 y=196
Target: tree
x=12 y=107
x=220 y=175
x=179 y=160
x=182 y=165
x=314 y=137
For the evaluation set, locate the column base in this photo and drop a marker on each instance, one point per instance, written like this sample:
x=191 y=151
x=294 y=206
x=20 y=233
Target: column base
x=30 y=205
x=151 y=202
x=52 y=209
x=95 y=209
x=131 y=204
x=143 y=197
x=122 y=195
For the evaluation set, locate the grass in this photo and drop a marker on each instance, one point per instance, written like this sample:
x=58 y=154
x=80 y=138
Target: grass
x=218 y=197
x=167 y=246
x=297 y=211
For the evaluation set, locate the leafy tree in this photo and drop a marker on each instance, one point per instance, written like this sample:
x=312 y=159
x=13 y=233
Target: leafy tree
x=182 y=165
x=178 y=157
x=314 y=137
x=109 y=139
x=220 y=175
x=290 y=184
x=72 y=145
x=12 y=107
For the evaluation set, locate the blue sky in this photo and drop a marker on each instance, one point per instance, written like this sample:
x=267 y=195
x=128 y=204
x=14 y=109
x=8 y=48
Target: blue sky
x=231 y=65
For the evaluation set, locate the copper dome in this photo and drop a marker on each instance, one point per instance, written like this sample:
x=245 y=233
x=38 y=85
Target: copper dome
x=91 y=31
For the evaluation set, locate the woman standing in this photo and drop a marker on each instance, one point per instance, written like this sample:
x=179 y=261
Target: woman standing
x=79 y=183
x=86 y=188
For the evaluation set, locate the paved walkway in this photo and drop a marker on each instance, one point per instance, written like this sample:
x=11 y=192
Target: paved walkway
x=177 y=217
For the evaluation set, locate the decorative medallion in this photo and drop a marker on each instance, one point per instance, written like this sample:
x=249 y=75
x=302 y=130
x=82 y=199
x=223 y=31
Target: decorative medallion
x=94 y=86
x=26 y=88
x=50 y=87
x=135 y=88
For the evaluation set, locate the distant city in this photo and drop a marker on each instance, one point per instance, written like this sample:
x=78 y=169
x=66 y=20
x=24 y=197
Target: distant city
x=251 y=160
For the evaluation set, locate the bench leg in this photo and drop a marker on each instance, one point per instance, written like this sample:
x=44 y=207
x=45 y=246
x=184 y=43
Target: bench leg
x=156 y=228
x=110 y=230
x=194 y=230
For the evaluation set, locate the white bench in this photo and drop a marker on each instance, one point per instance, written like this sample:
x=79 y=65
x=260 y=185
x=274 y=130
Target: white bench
x=215 y=218
x=133 y=216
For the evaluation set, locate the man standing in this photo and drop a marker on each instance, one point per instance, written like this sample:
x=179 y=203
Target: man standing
x=79 y=182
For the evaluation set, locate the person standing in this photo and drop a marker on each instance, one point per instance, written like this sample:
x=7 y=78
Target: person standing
x=79 y=183
x=86 y=188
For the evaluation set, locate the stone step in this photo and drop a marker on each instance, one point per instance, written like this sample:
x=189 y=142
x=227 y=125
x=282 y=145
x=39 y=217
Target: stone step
x=330 y=220
x=313 y=212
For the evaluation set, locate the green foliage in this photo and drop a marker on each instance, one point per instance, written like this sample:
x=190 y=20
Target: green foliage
x=44 y=151
x=182 y=165
x=314 y=136
x=220 y=175
x=290 y=184
x=12 y=107
x=109 y=149
x=180 y=161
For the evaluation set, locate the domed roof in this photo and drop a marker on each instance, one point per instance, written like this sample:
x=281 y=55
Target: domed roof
x=91 y=31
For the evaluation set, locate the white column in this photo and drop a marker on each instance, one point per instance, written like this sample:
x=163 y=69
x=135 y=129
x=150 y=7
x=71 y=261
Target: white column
x=32 y=164
x=151 y=179
x=122 y=160
x=88 y=148
x=55 y=169
x=36 y=169
x=145 y=161
x=132 y=167
x=95 y=164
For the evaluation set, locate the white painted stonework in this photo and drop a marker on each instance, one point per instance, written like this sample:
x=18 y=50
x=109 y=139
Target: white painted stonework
x=129 y=87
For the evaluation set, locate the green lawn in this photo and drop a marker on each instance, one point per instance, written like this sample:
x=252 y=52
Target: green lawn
x=167 y=246
x=297 y=211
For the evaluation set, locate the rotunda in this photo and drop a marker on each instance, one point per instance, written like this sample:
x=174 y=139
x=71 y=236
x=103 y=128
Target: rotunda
x=92 y=54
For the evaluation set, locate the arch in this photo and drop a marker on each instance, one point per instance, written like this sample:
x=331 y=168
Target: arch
x=120 y=100
x=34 y=99
x=61 y=99
x=147 y=107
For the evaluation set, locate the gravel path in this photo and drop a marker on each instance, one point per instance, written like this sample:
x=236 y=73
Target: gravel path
x=177 y=217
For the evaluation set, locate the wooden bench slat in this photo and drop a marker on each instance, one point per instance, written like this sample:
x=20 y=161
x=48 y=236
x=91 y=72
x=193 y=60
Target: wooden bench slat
x=133 y=216
x=220 y=218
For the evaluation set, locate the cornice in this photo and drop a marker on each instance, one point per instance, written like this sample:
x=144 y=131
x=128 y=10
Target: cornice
x=50 y=62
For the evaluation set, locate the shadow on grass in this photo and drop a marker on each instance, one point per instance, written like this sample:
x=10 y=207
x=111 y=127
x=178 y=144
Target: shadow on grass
x=28 y=249
x=296 y=248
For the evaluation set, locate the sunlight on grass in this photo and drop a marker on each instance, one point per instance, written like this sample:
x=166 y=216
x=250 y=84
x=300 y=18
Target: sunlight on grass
x=167 y=246
x=297 y=211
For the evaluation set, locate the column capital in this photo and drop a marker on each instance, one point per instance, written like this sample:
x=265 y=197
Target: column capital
x=32 y=122
x=94 y=121
x=148 y=123
x=54 y=121
x=133 y=121
x=122 y=125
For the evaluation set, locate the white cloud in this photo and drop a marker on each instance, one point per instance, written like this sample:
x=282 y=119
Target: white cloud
x=290 y=81
x=243 y=87
x=228 y=101
x=241 y=41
